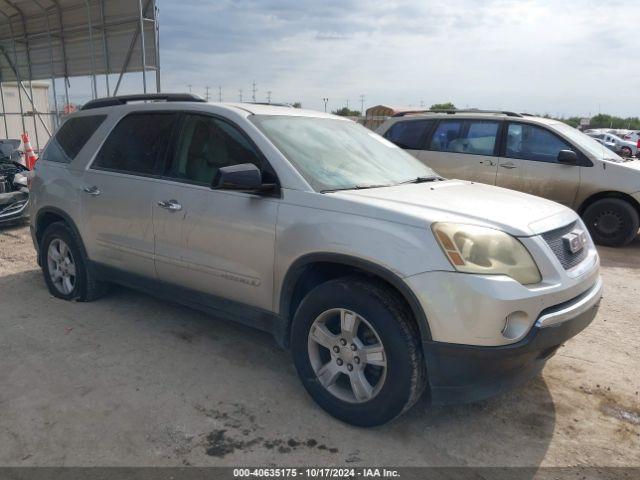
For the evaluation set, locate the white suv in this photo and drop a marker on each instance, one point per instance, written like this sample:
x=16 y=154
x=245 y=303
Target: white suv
x=381 y=277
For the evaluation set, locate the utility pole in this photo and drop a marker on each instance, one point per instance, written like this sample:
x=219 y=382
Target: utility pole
x=362 y=105
x=206 y=96
x=253 y=94
x=220 y=93
x=325 y=101
x=190 y=88
x=240 y=91
x=268 y=96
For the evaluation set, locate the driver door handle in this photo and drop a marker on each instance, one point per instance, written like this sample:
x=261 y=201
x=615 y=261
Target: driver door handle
x=507 y=165
x=171 y=205
x=92 y=190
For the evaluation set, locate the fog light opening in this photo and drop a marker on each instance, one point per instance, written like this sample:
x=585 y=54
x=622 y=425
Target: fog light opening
x=516 y=324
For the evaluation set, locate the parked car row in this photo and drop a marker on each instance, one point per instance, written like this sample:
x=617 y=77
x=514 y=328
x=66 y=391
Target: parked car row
x=625 y=147
x=383 y=278
x=540 y=156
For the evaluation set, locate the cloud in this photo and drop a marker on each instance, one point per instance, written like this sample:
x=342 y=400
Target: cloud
x=542 y=56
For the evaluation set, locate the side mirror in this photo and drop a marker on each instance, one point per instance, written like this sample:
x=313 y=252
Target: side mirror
x=567 y=157
x=245 y=177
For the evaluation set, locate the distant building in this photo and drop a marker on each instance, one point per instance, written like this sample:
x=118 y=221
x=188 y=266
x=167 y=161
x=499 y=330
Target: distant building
x=11 y=121
x=375 y=116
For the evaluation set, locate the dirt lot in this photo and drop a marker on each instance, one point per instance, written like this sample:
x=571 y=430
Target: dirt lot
x=132 y=380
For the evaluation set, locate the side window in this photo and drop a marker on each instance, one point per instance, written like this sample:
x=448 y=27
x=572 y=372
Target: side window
x=481 y=138
x=528 y=142
x=446 y=135
x=136 y=144
x=71 y=137
x=409 y=134
x=476 y=137
x=205 y=145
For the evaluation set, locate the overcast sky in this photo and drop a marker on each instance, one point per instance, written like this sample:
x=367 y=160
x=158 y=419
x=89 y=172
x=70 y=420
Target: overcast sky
x=568 y=57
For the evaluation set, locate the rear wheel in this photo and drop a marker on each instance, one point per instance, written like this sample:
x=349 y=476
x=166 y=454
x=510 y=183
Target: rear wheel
x=626 y=152
x=613 y=222
x=65 y=267
x=357 y=351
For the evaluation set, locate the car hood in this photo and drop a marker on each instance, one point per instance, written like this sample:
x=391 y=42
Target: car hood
x=467 y=202
x=625 y=163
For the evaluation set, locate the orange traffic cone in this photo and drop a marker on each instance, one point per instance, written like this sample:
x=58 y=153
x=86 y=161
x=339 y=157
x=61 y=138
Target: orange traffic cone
x=29 y=155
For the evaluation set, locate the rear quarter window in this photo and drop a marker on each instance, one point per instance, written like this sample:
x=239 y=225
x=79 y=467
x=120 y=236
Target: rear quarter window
x=71 y=137
x=137 y=144
x=409 y=134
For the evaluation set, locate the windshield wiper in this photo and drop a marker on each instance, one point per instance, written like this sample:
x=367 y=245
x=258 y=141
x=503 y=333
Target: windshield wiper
x=433 y=178
x=354 y=187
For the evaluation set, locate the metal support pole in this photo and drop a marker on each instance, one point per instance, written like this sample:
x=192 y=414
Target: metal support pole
x=53 y=77
x=4 y=112
x=105 y=47
x=156 y=29
x=142 y=47
x=125 y=64
x=18 y=79
x=56 y=116
x=64 y=51
x=30 y=72
x=92 y=52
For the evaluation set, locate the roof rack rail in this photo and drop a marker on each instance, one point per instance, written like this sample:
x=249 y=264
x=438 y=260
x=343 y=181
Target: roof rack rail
x=271 y=104
x=151 y=97
x=453 y=112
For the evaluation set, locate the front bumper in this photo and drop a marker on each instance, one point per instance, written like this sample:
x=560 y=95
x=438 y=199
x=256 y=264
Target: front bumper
x=466 y=373
x=13 y=206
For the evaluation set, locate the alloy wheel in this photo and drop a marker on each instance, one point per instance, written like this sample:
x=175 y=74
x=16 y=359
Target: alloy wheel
x=62 y=267
x=347 y=355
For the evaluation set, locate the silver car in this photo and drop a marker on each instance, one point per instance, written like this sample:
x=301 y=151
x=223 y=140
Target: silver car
x=381 y=277
x=540 y=156
x=625 y=148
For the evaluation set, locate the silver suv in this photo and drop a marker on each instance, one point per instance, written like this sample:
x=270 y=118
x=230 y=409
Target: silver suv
x=381 y=277
x=540 y=156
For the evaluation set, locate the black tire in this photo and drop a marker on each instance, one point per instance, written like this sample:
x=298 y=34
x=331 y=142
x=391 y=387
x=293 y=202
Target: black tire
x=612 y=222
x=626 y=152
x=405 y=377
x=86 y=287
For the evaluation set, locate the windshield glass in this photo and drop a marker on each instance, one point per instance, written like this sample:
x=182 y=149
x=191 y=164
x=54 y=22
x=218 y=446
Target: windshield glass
x=333 y=154
x=588 y=144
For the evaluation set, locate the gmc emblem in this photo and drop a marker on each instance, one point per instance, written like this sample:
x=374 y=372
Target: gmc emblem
x=575 y=240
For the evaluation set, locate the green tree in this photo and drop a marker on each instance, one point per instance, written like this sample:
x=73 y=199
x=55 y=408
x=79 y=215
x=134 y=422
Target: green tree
x=443 y=106
x=345 y=112
x=604 y=120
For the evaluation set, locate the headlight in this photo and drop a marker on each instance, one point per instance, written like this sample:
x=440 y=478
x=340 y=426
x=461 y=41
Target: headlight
x=472 y=249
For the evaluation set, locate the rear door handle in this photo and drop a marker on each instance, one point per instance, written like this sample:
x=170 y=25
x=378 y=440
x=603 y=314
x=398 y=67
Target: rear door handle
x=92 y=190
x=507 y=165
x=171 y=205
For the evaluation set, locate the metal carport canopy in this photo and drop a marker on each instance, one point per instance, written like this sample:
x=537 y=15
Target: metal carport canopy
x=47 y=39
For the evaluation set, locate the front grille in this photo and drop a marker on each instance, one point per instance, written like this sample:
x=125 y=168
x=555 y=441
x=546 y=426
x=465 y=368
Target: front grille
x=554 y=240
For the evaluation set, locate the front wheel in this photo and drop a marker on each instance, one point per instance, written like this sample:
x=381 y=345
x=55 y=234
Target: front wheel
x=357 y=351
x=613 y=222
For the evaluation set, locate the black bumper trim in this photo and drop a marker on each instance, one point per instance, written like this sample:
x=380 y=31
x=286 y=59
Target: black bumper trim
x=467 y=373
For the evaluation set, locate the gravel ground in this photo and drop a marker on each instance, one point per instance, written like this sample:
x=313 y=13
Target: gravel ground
x=131 y=380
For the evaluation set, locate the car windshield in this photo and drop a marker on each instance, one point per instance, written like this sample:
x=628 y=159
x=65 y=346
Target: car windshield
x=333 y=154
x=587 y=144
